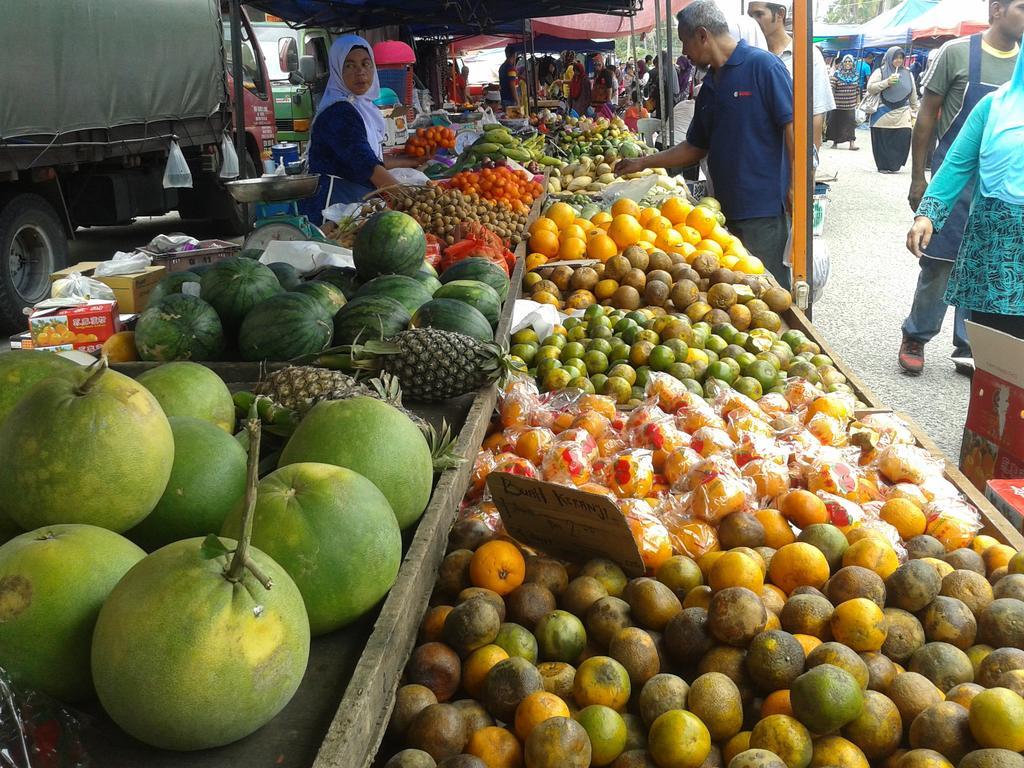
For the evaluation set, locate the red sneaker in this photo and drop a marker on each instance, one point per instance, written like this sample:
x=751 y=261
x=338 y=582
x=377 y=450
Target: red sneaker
x=912 y=356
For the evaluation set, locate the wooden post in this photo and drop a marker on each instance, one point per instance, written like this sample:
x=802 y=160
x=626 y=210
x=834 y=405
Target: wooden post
x=669 y=122
x=238 y=78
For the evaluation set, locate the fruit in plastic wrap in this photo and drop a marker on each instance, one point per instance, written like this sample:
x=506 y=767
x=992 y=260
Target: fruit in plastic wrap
x=719 y=495
x=689 y=536
x=660 y=437
x=838 y=478
x=680 y=463
x=708 y=441
x=902 y=463
x=729 y=401
x=630 y=474
x=482 y=467
x=746 y=424
x=533 y=443
x=642 y=416
x=936 y=487
x=890 y=428
x=668 y=392
x=751 y=447
x=651 y=535
x=582 y=438
x=908 y=491
x=596 y=424
x=700 y=415
x=842 y=513
x=709 y=468
x=609 y=446
x=952 y=521
x=837 y=405
x=829 y=429
x=515 y=465
x=519 y=401
x=567 y=462
x=800 y=393
x=774 y=404
x=597 y=489
x=599 y=403
x=770 y=478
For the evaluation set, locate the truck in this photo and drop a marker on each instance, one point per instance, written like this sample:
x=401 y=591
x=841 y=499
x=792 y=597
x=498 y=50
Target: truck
x=298 y=66
x=95 y=94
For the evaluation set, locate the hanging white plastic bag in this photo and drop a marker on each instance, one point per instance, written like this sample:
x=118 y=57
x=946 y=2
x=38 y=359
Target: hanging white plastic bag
x=176 y=174
x=229 y=158
x=410 y=177
x=123 y=264
x=635 y=189
x=822 y=268
x=78 y=286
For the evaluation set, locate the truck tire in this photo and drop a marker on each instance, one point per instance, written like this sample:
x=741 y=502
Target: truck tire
x=33 y=244
x=236 y=222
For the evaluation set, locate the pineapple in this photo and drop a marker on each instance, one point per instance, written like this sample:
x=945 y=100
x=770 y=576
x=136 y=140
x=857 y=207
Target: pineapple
x=299 y=387
x=435 y=365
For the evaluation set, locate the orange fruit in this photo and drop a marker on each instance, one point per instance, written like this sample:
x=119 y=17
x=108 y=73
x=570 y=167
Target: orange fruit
x=905 y=516
x=735 y=569
x=544 y=223
x=658 y=224
x=572 y=248
x=534 y=443
x=777 y=532
x=690 y=235
x=803 y=508
x=981 y=543
x=721 y=236
x=562 y=214
x=603 y=290
x=997 y=556
x=646 y=214
x=647 y=236
x=831 y=405
x=433 y=623
x=625 y=230
x=601 y=680
x=798 y=565
x=573 y=230
x=545 y=243
x=476 y=667
x=626 y=206
x=729 y=260
x=668 y=240
x=675 y=209
x=777 y=703
x=498 y=566
x=808 y=642
x=584 y=224
x=698 y=597
x=859 y=624
x=875 y=555
x=710 y=246
x=535 y=260
x=601 y=217
x=600 y=403
x=738 y=743
x=693 y=537
x=703 y=220
x=679 y=739
x=497 y=747
x=601 y=247
x=750 y=265
x=120 y=347
x=535 y=709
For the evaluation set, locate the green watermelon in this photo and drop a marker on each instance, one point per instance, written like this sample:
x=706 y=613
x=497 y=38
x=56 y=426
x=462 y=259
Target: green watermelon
x=172 y=284
x=430 y=282
x=475 y=293
x=179 y=327
x=374 y=439
x=236 y=285
x=284 y=327
x=251 y=253
x=287 y=275
x=477 y=268
x=333 y=531
x=200 y=269
x=408 y=291
x=389 y=243
x=453 y=315
x=428 y=268
x=340 y=277
x=370 y=317
x=330 y=296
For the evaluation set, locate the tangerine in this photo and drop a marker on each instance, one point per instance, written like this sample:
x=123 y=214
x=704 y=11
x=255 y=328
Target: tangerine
x=798 y=565
x=703 y=220
x=498 y=566
x=535 y=709
x=562 y=214
x=545 y=243
x=625 y=230
x=675 y=209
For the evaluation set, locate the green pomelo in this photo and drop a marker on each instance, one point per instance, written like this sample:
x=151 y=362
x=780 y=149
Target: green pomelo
x=96 y=450
x=185 y=659
x=335 y=534
x=207 y=482
x=53 y=581
x=190 y=389
x=374 y=439
x=22 y=368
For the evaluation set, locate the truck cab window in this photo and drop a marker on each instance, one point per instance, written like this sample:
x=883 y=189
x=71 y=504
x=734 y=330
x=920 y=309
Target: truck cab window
x=253 y=73
x=317 y=48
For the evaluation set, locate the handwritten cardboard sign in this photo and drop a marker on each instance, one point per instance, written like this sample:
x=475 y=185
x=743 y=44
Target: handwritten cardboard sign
x=564 y=521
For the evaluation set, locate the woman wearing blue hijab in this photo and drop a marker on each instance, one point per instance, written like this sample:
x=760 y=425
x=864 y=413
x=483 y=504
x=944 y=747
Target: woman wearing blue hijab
x=988 y=277
x=347 y=139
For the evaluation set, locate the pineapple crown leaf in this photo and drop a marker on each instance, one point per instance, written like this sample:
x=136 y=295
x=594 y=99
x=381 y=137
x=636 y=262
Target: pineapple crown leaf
x=442 y=446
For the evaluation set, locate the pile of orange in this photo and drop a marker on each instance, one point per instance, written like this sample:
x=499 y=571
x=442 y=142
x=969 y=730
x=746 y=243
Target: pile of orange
x=427 y=141
x=514 y=189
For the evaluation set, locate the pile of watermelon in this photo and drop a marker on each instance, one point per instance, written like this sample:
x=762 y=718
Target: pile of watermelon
x=242 y=309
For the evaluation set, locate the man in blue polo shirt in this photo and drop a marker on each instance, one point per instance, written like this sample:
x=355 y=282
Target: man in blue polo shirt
x=743 y=124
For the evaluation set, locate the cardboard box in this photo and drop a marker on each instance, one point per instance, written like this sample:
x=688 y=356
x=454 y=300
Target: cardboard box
x=1008 y=497
x=82 y=326
x=993 y=442
x=131 y=291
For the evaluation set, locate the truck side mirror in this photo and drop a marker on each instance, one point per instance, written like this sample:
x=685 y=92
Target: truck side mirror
x=307 y=68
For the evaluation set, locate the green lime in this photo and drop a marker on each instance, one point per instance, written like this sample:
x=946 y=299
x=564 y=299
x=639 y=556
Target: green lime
x=640 y=353
x=596 y=361
x=643 y=375
x=711 y=355
x=601 y=321
x=638 y=317
x=638 y=393
x=722 y=371
x=554 y=340
x=694 y=386
x=624 y=325
x=599 y=345
x=713 y=386
x=577 y=333
x=771 y=358
x=716 y=344
x=625 y=372
x=606 y=731
x=572 y=349
x=749 y=386
x=558 y=379
x=629 y=334
x=839 y=386
x=518 y=364
x=619 y=350
x=802 y=369
x=524 y=351
x=700 y=368
x=547 y=353
x=598 y=380
x=733 y=351
x=648 y=335
x=544 y=367
x=697 y=340
x=572 y=322
x=618 y=388
x=574 y=362
x=778 y=389
x=745 y=359
x=819 y=360
x=763 y=372
x=583 y=383
x=525 y=336
x=678 y=347
x=757 y=344
x=702 y=327
x=782 y=351
x=593 y=311
x=793 y=338
x=661 y=358
x=600 y=332
x=809 y=346
x=740 y=339
x=681 y=371
x=733 y=365
x=726 y=330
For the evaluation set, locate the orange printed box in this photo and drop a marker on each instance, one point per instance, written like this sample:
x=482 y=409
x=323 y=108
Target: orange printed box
x=84 y=326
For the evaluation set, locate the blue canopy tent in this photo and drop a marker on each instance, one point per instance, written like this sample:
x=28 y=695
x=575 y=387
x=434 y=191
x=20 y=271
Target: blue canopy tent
x=552 y=44
x=895 y=26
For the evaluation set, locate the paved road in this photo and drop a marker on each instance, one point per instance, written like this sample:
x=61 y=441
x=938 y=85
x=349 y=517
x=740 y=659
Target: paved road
x=870 y=291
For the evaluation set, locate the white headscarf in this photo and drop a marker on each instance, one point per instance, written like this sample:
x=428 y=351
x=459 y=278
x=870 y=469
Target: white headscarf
x=337 y=91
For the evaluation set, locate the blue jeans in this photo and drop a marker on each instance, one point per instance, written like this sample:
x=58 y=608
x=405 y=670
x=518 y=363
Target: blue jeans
x=929 y=308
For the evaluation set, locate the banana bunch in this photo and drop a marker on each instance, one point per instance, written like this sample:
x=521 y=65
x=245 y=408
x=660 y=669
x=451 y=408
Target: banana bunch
x=497 y=144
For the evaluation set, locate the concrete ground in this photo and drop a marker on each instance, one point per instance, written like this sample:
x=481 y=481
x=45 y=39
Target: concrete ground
x=869 y=293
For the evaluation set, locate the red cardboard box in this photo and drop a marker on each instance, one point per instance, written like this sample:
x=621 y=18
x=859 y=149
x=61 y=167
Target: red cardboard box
x=1008 y=497
x=83 y=326
x=993 y=442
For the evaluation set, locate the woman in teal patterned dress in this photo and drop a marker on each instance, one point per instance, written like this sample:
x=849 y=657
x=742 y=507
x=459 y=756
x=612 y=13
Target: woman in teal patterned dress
x=988 y=277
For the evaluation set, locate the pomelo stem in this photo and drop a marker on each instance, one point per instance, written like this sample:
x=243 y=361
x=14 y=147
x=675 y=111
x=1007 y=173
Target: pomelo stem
x=241 y=560
x=101 y=367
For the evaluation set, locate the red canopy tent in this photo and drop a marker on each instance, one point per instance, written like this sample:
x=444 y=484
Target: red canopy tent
x=586 y=26
x=952 y=18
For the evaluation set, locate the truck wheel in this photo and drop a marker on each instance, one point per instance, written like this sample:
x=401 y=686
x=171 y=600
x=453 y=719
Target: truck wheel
x=236 y=222
x=32 y=246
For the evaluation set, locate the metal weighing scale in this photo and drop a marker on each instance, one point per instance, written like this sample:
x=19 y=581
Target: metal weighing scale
x=277 y=208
